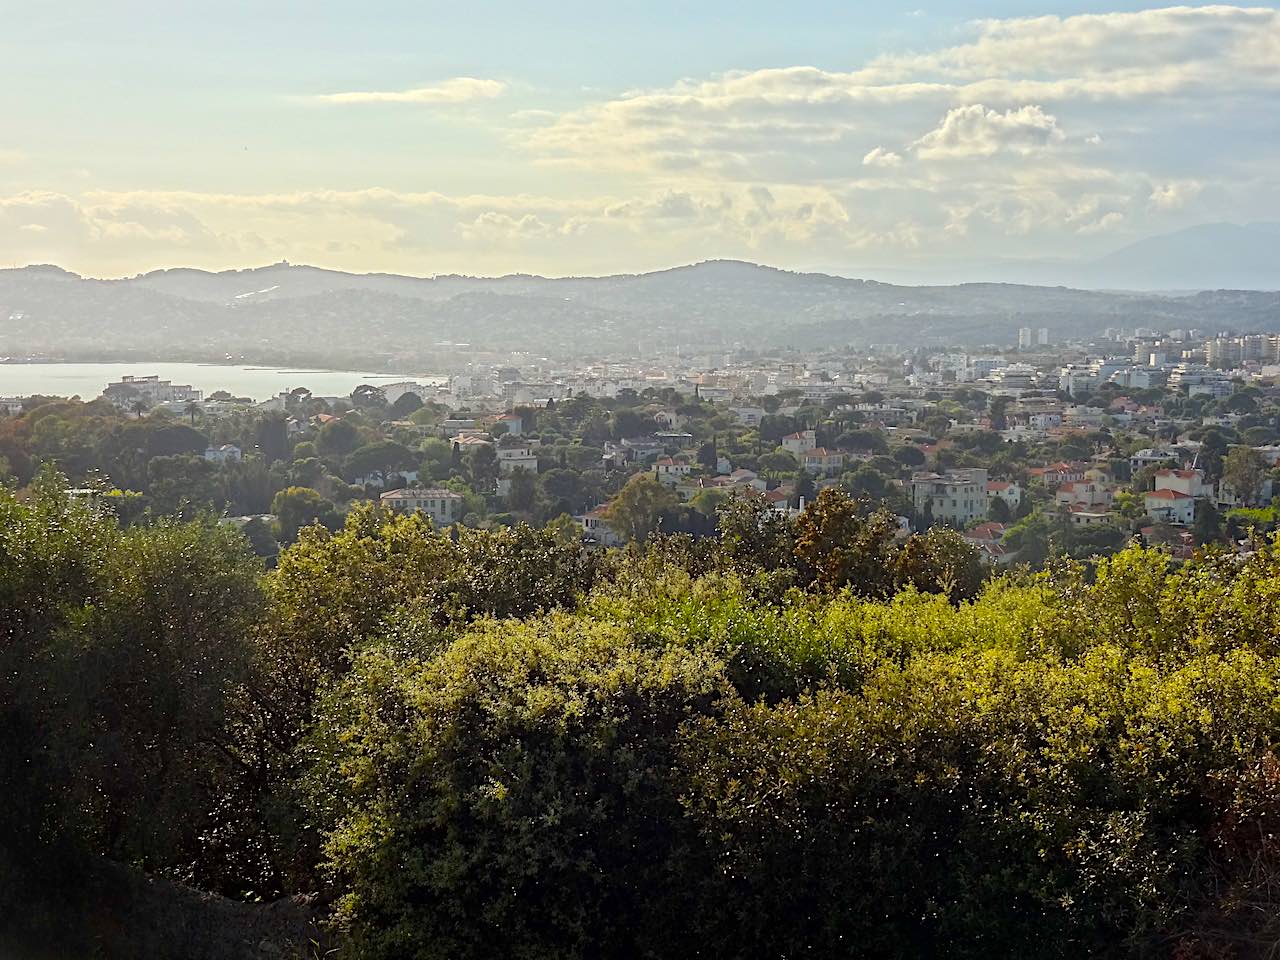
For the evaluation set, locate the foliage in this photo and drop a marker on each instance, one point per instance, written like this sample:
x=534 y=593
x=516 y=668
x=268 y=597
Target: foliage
x=298 y=507
x=634 y=513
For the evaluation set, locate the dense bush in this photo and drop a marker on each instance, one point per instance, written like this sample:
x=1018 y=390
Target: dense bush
x=800 y=740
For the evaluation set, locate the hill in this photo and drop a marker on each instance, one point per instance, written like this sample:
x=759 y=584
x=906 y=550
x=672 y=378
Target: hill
x=302 y=314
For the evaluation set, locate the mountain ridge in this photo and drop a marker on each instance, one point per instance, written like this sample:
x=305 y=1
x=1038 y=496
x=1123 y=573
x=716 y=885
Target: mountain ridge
x=301 y=313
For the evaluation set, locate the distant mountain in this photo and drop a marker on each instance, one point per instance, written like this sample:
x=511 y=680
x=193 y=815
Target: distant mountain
x=306 y=315
x=1209 y=256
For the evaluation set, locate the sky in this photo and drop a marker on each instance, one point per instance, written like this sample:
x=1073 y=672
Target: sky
x=588 y=138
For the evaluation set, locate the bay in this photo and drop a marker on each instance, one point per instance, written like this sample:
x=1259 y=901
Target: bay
x=87 y=380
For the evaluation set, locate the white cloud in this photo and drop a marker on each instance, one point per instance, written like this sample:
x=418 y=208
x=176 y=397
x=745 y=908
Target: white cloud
x=456 y=90
x=1174 y=195
x=976 y=131
x=880 y=157
x=803 y=121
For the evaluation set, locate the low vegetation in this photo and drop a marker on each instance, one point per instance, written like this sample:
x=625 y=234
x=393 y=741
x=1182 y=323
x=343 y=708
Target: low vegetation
x=805 y=738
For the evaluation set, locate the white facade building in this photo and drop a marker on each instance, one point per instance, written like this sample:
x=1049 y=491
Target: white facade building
x=442 y=506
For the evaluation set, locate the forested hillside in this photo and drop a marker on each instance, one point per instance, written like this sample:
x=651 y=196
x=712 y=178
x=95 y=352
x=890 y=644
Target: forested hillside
x=804 y=738
x=290 y=314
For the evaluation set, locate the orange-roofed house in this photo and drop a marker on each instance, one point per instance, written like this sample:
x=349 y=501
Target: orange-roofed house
x=1170 y=506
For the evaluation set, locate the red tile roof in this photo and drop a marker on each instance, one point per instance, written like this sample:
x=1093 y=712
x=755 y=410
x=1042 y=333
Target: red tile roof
x=1168 y=495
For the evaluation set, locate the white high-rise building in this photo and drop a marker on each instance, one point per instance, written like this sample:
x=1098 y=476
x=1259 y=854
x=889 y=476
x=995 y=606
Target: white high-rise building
x=1024 y=338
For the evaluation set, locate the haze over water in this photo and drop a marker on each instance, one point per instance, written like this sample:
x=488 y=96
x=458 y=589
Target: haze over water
x=87 y=380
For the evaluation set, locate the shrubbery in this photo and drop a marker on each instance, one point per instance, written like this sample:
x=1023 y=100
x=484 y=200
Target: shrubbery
x=806 y=740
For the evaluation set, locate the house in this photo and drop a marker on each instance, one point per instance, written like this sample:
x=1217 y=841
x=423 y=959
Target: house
x=987 y=539
x=779 y=500
x=822 y=462
x=640 y=449
x=1227 y=497
x=227 y=453
x=444 y=507
x=1082 y=515
x=670 y=471
x=797 y=443
x=1189 y=482
x=150 y=390
x=455 y=425
x=957 y=497
x=1170 y=506
x=596 y=527
x=511 y=459
x=1086 y=494
x=1005 y=490
x=748 y=416
x=1055 y=474
x=510 y=423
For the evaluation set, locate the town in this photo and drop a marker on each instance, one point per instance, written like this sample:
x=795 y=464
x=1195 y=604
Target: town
x=1031 y=450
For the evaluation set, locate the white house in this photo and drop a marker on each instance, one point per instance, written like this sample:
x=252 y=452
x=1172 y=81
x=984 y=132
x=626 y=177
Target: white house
x=1170 y=506
x=1188 y=482
x=512 y=423
x=1085 y=493
x=822 y=462
x=442 y=506
x=597 y=528
x=511 y=459
x=957 y=497
x=797 y=443
x=1005 y=490
x=227 y=453
x=670 y=471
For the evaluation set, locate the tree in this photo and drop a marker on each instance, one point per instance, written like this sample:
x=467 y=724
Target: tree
x=630 y=423
x=805 y=488
x=939 y=561
x=298 y=507
x=837 y=546
x=1244 y=471
x=1207 y=526
x=120 y=652
x=774 y=427
x=779 y=464
x=377 y=459
x=635 y=511
x=273 y=437
x=482 y=465
x=863 y=441
x=708 y=455
x=999 y=510
x=708 y=501
x=909 y=456
x=368 y=397
x=1213 y=447
x=522 y=490
x=337 y=438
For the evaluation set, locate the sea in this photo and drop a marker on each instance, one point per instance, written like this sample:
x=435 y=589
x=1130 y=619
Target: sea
x=86 y=380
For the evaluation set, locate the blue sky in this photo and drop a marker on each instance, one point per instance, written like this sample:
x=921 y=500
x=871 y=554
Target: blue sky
x=497 y=137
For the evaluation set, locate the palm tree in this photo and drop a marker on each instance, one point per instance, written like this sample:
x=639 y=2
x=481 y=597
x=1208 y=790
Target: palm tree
x=192 y=409
x=139 y=407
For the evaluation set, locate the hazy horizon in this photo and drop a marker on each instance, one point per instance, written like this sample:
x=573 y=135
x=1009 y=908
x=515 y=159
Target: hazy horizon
x=578 y=141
